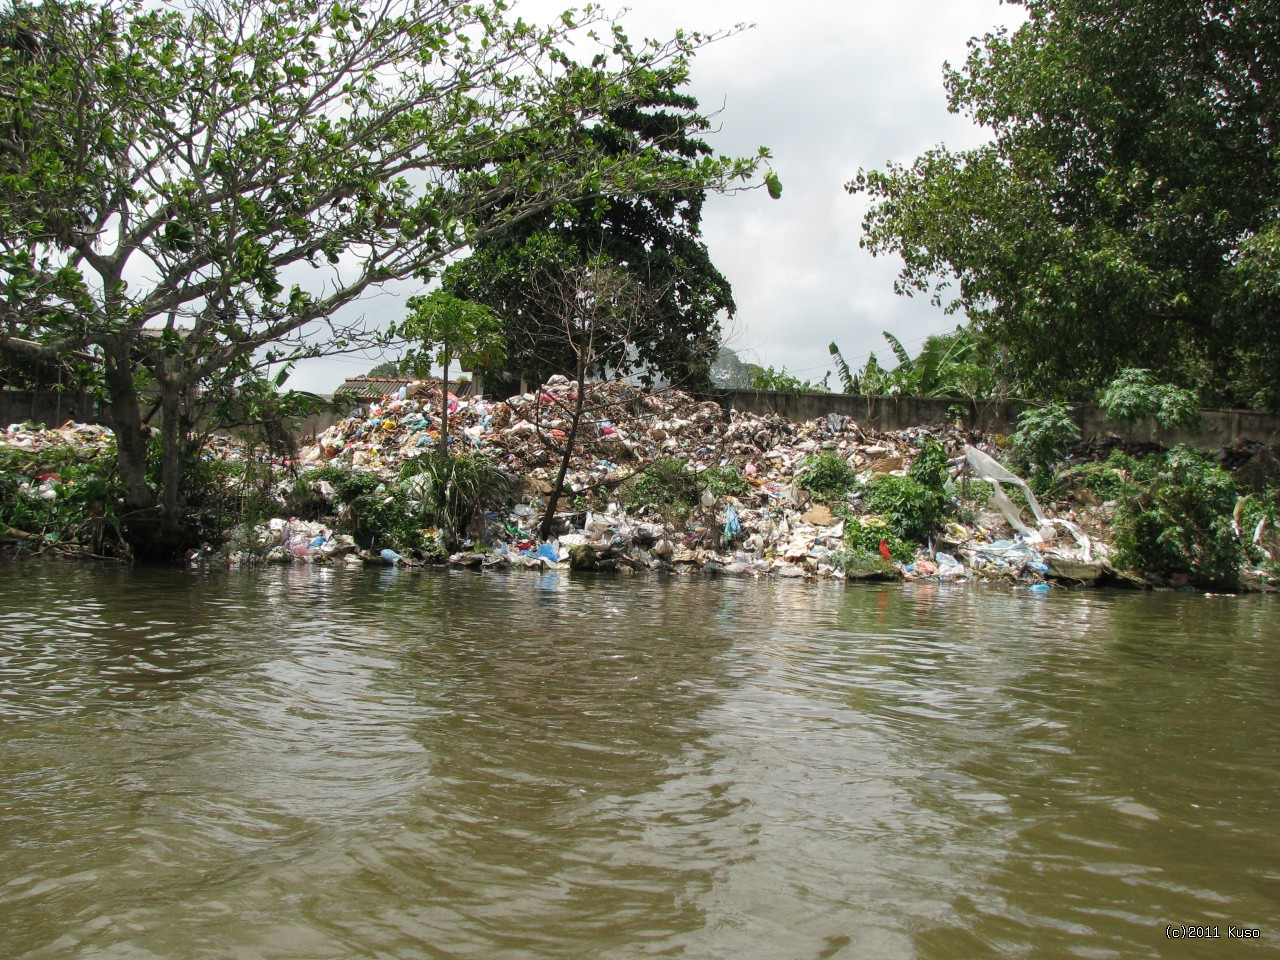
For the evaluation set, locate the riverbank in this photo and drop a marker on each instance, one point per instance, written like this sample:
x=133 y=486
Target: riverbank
x=660 y=481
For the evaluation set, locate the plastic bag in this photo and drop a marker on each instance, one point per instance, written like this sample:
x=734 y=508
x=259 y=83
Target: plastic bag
x=991 y=470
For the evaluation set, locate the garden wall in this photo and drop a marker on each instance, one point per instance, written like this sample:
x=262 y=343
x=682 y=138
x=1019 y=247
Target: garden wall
x=1218 y=428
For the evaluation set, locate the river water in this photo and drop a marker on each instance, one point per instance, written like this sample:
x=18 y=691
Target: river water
x=310 y=763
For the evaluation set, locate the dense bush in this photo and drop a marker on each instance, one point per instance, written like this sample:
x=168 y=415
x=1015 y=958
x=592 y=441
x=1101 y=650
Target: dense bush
x=1175 y=517
x=80 y=503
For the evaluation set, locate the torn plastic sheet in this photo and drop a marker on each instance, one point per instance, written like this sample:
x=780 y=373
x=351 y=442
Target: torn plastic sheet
x=989 y=469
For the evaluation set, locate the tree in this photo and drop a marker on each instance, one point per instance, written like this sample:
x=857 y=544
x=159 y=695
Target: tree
x=596 y=307
x=192 y=195
x=387 y=369
x=655 y=237
x=456 y=329
x=1127 y=210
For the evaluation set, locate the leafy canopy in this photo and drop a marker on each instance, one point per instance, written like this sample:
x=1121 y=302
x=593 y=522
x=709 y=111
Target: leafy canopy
x=654 y=236
x=1126 y=212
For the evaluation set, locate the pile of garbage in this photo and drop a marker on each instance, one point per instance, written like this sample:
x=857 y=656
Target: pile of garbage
x=770 y=526
x=89 y=440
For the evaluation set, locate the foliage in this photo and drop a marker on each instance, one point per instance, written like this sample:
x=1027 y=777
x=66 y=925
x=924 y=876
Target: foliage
x=666 y=485
x=454 y=491
x=1105 y=480
x=192 y=192
x=915 y=504
x=1041 y=440
x=80 y=507
x=779 y=381
x=435 y=493
x=827 y=476
x=848 y=383
x=863 y=535
x=1175 y=517
x=1260 y=512
x=655 y=237
x=1134 y=395
x=951 y=364
x=910 y=508
x=929 y=467
x=377 y=515
x=444 y=329
x=726 y=481
x=1125 y=211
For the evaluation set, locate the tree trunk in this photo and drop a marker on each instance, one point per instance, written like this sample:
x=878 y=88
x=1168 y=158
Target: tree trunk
x=173 y=447
x=444 y=405
x=544 y=531
x=124 y=413
x=154 y=531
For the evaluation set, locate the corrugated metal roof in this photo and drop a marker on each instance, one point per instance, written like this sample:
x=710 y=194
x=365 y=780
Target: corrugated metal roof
x=375 y=388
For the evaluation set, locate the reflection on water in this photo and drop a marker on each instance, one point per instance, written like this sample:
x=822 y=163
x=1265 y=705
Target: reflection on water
x=309 y=763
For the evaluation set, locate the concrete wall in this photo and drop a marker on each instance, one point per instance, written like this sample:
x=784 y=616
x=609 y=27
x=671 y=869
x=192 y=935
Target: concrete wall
x=45 y=406
x=1218 y=428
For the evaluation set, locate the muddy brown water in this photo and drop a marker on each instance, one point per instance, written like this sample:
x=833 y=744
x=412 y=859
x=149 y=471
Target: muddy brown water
x=309 y=763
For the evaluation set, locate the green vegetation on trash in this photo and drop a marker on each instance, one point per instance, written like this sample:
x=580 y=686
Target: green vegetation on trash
x=432 y=507
x=76 y=502
x=669 y=488
x=913 y=505
x=863 y=535
x=1104 y=480
x=1040 y=442
x=828 y=476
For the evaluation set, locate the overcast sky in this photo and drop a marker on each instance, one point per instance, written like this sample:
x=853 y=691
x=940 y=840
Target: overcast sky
x=829 y=88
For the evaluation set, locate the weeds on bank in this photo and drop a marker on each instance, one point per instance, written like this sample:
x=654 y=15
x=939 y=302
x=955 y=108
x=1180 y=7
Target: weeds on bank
x=56 y=498
x=913 y=506
x=431 y=506
x=669 y=488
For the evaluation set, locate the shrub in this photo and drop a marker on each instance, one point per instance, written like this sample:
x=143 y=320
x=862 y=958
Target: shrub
x=1136 y=394
x=929 y=468
x=376 y=515
x=827 y=476
x=863 y=535
x=912 y=505
x=909 y=508
x=453 y=491
x=1175 y=518
x=1040 y=442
